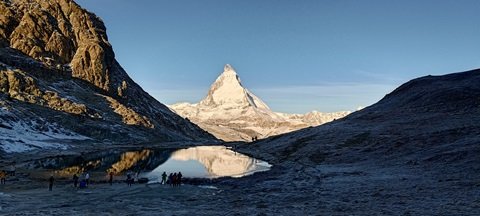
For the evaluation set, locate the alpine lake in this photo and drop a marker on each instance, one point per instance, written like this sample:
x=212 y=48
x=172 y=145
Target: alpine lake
x=201 y=162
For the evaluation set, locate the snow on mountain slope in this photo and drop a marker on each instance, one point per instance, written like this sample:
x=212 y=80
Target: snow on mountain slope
x=19 y=135
x=58 y=69
x=233 y=113
x=228 y=92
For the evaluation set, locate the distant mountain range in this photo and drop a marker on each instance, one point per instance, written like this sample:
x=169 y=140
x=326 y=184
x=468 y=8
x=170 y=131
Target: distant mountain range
x=233 y=113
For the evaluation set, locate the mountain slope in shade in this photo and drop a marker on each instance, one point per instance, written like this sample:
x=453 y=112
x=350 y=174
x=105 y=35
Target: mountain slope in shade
x=420 y=144
x=233 y=113
x=59 y=79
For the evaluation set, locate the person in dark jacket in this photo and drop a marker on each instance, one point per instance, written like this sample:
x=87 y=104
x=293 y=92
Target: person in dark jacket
x=50 y=185
x=179 y=178
x=164 y=178
x=110 y=179
x=3 y=177
x=129 y=179
x=170 y=179
x=75 y=180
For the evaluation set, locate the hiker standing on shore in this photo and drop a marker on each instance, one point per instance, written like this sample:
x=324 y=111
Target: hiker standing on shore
x=87 y=179
x=129 y=179
x=179 y=178
x=50 y=185
x=164 y=178
x=170 y=179
x=175 y=179
x=75 y=180
x=137 y=174
x=3 y=176
x=12 y=169
x=110 y=180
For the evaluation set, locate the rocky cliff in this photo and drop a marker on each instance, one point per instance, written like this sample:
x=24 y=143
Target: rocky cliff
x=57 y=68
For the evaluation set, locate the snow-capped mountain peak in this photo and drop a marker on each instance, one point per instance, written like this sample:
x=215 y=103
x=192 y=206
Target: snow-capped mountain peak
x=232 y=113
x=228 y=91
x=228 y=68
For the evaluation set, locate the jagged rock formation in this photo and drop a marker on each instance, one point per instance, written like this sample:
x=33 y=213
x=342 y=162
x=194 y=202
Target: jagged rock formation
x=232 y=113
x=57 y=65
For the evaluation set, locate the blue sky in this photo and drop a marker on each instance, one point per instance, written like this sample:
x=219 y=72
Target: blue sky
x=325 y=55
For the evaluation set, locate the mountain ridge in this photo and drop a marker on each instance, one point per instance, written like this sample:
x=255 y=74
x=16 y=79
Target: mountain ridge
x=231 y=112
x=58 y=68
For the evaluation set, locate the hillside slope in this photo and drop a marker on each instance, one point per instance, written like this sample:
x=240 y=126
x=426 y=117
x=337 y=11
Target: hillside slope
x=416 y=152
x=59 y=80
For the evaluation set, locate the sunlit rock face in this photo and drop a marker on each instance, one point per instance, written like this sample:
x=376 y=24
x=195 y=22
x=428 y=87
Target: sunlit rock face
x=231 y=112
x=218 y=160
x=58 y=71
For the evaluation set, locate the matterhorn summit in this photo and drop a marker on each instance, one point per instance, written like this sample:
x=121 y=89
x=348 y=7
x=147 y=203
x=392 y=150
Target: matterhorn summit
x=228 y=92
x=233 y=113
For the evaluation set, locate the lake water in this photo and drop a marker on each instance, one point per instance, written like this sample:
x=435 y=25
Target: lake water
x=195 y=162
x=209 y=162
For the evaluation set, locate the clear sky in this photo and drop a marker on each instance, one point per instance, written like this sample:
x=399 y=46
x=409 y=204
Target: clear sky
x=325 y=55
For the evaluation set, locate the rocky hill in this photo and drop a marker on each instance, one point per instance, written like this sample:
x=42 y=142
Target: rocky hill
x=414 y=152
x=59 y=80
x=233 y=113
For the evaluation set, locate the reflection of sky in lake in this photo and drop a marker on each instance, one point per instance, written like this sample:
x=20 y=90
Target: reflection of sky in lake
x=209 y=162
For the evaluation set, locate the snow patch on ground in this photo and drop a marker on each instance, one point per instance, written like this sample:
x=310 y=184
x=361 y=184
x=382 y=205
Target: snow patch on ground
x=208 y=187
x=24 y=135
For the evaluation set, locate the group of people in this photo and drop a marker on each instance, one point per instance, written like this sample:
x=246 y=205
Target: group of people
x=83 y=180
x=174 y=179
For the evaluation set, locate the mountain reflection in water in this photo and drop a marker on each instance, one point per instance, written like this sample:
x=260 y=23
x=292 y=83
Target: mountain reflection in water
x=210 y=162
x=195 y=162
x=100 y=163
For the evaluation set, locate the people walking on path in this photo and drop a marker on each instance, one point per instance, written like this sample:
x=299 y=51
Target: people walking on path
x=50 y=181
x=75 y=180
